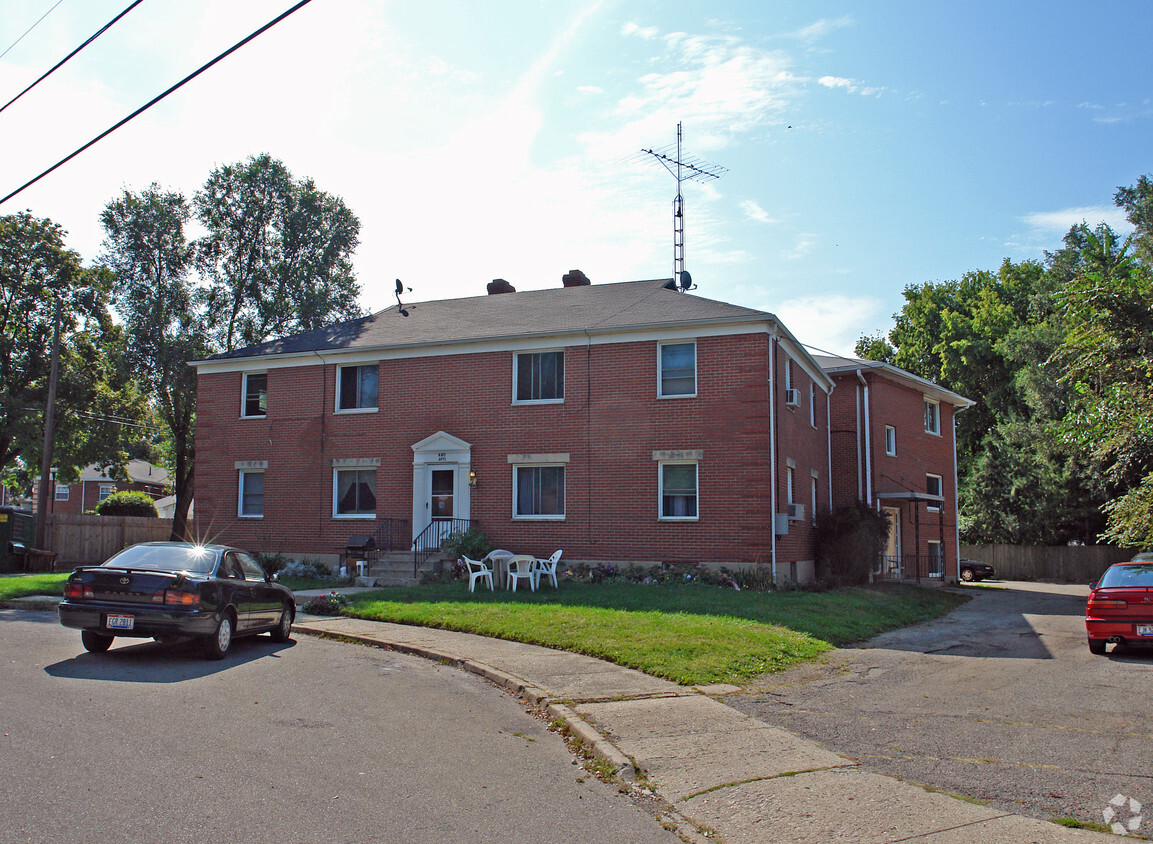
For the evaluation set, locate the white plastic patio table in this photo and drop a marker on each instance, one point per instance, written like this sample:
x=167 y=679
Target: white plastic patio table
x=499 y=559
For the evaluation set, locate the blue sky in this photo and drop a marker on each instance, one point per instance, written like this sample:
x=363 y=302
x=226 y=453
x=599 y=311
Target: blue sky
x=868 y=146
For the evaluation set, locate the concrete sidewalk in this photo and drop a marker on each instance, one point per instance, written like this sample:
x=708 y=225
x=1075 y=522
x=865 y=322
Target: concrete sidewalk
x=718 y=769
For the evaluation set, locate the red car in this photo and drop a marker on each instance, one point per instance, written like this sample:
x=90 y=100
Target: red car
x=1120 y=607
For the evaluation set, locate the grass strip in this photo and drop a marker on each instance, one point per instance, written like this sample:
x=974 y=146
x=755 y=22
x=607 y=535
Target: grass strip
x=689 y=634
x=23 y=585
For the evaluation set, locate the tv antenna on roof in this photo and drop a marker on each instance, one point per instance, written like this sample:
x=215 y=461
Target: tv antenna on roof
x=685 y=170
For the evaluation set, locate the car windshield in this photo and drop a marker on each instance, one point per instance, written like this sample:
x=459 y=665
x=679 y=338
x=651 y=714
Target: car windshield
x=190 y=558
x=1128 y=575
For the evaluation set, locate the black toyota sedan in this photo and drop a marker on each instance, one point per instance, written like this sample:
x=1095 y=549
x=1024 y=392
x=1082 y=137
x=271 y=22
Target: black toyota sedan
x=168 y=590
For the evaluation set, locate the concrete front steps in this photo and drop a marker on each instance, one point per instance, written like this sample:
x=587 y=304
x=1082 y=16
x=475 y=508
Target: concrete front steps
x=394 y=568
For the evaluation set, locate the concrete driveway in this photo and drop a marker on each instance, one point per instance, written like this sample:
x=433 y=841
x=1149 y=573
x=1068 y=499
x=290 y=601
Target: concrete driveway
x=999 y=701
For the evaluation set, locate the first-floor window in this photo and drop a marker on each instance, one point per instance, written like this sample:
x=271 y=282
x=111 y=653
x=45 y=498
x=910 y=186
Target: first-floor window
x=813 y=498
x=936 y=559
x=62 y=492
x=539 y=492
x=355 y=492
x=106 y=490
x=678 y=490
x=251 y=494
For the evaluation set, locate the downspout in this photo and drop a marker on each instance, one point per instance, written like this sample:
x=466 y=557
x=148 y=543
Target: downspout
x=956 y=507
x=773 y=451
x=829 y=441
x=857 y=429
x=868 y=444
x=323 y=411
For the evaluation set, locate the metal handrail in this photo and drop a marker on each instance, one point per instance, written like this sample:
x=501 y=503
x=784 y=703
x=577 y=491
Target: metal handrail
x=430 y=539
x=389 y=533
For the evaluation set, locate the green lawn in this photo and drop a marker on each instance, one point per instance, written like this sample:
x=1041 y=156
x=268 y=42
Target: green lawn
x=689 y=634
x=32 y=584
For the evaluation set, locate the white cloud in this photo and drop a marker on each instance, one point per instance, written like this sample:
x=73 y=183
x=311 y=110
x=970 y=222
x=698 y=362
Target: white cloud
x=851 y=85
x=590 y=89
x=1059 y=222
x=821 y=28
x=832 y=323
x=806 y=243
x=646 y=32
x=755 y=212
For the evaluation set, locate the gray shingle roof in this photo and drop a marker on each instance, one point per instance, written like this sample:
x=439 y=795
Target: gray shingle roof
x=834 y=364
x=596 y=308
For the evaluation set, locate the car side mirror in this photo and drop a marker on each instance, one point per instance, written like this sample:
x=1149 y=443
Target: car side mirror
x=1093 y=586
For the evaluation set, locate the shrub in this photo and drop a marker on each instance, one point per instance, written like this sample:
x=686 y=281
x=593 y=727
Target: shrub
x=471 y=543
x=272 y=563
x=127 y=503
x=308 y=568
x=330 y=603
x=849 y=541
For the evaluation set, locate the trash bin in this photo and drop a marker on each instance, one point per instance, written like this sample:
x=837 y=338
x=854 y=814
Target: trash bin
x=15 y=537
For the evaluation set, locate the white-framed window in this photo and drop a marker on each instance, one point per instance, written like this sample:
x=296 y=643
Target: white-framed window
x=538 y=492
x=106 y=490
x=354 y=492
x=890 y=440
x=250 y=499
x=932 y=416
x=934 y=485
x=813 y=405
x=678 y=490
x=62 y=492
x=254 y=401
x=790 y=485
x=788 y=373
x=677 y=369
x=538 y=377
x=936 y=558
x=356 y=387
x=814 y=482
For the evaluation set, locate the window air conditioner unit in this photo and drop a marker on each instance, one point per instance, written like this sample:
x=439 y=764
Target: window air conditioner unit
x=797 y=512
x=793 y=398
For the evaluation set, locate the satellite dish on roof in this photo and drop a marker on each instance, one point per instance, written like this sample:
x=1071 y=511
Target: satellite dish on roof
x=399 y=304
x=685 y=281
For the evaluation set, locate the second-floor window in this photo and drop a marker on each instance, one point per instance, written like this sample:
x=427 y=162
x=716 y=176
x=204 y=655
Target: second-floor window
x=255 y=394
x=678 y=369
x=538 y=376
x=358 y=387
x=890 y=440
x=932 y=417
x=934 y=486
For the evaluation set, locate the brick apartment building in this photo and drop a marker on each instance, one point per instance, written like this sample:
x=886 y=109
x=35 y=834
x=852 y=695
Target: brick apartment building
x=625 y=422
x=893 y=443
x=97 y=483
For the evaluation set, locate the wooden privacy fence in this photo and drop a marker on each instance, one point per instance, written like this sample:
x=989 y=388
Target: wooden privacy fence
x=1067 y=563
x=86 y=539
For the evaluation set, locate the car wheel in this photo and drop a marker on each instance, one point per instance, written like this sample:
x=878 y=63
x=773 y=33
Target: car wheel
x=283 y=630
x=967 y=575
x=1097 y=646
x=96 y=643
x=216 y=646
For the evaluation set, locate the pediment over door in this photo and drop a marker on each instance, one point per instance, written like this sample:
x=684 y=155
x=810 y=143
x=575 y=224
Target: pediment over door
x=439 y=442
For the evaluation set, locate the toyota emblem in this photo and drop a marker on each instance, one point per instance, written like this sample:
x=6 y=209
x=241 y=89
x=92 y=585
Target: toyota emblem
x=125 y=580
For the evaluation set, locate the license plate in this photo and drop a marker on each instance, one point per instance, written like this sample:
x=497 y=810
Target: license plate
x=1145 y=629
x=125 y=622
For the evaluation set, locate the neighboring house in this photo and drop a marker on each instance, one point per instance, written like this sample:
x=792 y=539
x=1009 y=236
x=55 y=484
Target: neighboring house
x=96 y=484
x=893 y=443
x=166 y=507
x=623 y=422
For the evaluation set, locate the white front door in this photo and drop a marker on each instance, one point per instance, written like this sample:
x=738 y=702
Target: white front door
x=440 y=487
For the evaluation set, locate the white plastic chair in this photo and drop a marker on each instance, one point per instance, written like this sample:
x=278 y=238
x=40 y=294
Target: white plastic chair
x=477 y=570
x=522 y=566
x=547 y=568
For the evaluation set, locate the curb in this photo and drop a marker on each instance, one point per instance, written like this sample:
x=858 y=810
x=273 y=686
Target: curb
x=540 y=699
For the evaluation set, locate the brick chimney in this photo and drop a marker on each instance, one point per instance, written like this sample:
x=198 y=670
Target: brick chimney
x=499 y=285
x=575 y=278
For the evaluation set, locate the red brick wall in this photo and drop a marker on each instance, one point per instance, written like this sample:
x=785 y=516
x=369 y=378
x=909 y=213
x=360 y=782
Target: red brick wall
x=918 y=453
x=609 y=424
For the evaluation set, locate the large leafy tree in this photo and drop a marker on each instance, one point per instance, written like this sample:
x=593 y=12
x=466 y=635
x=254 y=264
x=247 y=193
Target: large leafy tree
x=276 y=259
x=277 y=255
x=94 y=396
x=148 y=250
x=1108 y=356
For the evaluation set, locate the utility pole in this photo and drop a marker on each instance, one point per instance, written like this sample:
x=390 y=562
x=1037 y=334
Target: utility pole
x=49 y=435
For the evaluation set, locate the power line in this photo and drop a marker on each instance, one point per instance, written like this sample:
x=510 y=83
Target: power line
x=158 y=98
x=21 y=38
x=55 y=67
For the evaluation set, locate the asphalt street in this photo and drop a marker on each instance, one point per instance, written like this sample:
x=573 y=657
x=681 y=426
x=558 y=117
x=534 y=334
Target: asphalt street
x=314 y=740
x=999 y=701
